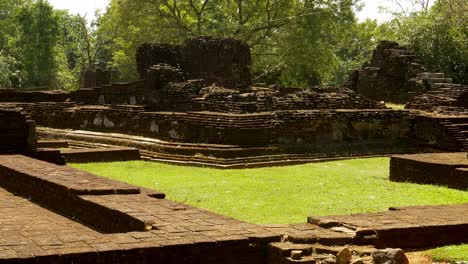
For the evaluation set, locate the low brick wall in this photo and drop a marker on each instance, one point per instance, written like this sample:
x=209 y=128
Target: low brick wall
x=446 y=169
x=311 y=130
x=10 y=95
x=101 y=155
x=59 y=188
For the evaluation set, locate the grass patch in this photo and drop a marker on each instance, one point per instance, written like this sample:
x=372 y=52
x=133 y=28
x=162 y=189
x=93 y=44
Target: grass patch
x=450 y=253
x=395 y=106
x=278 y=195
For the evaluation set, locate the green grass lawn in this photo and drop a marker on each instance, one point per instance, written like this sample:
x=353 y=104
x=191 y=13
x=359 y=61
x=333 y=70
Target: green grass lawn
x=281 y=194
x=286 y=194
x=450 y=253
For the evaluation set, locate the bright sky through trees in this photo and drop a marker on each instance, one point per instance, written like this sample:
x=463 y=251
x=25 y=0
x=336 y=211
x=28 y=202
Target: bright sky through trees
x=370 y=10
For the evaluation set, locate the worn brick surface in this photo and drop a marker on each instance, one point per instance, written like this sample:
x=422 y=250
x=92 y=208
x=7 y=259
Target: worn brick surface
x=30 y=233
x=178 y=233
x=405 y=227
x=75 y=181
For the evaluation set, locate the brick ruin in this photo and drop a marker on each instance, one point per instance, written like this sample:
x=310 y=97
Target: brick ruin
x=211 y=115
x=212 y=74
x=18 y=131
x=202 y=106
x=396 y=75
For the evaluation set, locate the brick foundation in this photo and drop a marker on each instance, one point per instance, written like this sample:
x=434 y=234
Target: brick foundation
x=446 y=169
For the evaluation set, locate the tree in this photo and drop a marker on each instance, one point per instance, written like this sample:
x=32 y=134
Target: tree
x=439 y=37
x=5 y=72
x=38 y=38
x=292 y=41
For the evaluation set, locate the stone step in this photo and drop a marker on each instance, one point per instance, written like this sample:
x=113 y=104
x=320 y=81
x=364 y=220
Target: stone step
x=427 y=75
x=461 y=126
x=442 y=85
x=101 y=155
x=431 y=81
x=52 y=144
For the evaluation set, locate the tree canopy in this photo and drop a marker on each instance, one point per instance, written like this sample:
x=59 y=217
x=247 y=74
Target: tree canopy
x=294 y=42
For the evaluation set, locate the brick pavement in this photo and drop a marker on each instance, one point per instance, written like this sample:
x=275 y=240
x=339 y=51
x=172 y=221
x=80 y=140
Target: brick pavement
x=97 y=220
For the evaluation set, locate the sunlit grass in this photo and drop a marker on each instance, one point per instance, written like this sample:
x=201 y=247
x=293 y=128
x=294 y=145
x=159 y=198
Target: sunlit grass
x=281 y=194
x=395 y=106
x=450 y=253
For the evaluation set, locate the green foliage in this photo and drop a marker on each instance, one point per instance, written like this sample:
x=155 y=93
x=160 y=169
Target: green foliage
x=5 y=72
x=76 y=51
x=38 y=37
x=293 y=42
x=281 y=194
x=439 y=37
x=45 y=47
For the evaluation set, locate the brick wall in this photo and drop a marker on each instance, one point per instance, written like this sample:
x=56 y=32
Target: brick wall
x=17 y=131
x=302 y=130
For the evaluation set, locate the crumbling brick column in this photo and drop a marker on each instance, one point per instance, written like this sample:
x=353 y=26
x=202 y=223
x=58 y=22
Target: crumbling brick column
x=17 y=131
x=223 y=61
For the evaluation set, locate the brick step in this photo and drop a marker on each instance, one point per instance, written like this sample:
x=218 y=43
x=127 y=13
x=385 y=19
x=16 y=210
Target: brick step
x=427 y=75
x=101 y=155
x=438 y=80
x=58 y=188
x=52 y=144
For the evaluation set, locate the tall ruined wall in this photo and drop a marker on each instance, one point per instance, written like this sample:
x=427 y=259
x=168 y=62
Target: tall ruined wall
x=149 y=54
x=223 y=61
x=17 y=131
x=391 y=75
x=95 y=78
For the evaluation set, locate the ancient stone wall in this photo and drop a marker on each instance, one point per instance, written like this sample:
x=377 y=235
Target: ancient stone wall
x=95 y=78
x=223 y=61
x=150 y=54
x=10 y=95
x=451 y=99
x=17 y=131
x=441 y=132
x=301 y=131
x=390 y=76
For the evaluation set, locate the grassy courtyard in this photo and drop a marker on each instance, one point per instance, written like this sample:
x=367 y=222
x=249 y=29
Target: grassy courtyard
x=286 y=194
x=281 y=194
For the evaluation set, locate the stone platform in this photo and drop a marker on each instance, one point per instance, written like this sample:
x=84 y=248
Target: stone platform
x=207 y=155
x=447 y=169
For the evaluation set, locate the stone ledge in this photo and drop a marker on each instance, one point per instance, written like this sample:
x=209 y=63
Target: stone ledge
x=446 y=169
x=101 y=155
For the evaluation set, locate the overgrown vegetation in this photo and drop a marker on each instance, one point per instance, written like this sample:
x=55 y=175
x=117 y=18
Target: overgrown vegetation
x=294 y=42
